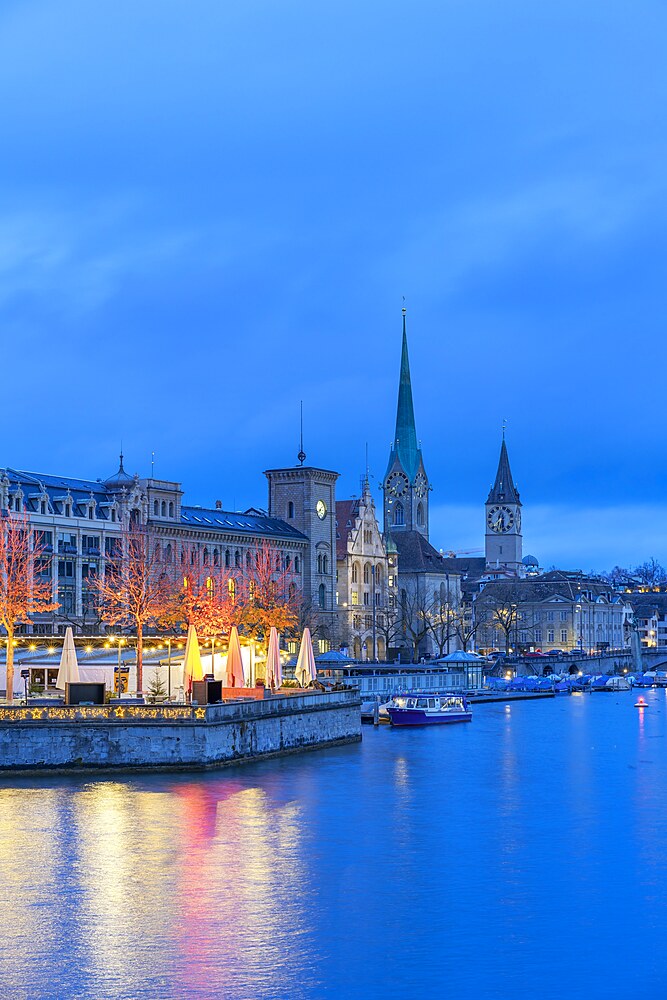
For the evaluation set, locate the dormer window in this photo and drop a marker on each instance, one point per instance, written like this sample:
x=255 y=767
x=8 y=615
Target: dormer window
x=68 y=510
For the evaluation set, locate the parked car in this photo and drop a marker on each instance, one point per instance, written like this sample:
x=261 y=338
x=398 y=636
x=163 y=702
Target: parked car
x=554 y=652
x=536 y=653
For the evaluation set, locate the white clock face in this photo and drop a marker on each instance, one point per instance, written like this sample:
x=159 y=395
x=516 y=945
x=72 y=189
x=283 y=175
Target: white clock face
x=421 y=485
x=397 y=484
x=500 y=519
x=321 y=509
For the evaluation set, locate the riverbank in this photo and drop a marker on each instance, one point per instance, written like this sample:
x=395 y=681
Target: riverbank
x=173 y=737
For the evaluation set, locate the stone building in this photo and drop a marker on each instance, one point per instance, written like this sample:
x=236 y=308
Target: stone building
x=649 y=617
x=503 y=541
x=428 y=588
x=304 y=499
x=366 y=579
x=557 y=610
x=78 y=523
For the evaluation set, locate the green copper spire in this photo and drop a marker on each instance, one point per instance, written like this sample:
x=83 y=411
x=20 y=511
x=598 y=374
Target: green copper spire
x=405 y=439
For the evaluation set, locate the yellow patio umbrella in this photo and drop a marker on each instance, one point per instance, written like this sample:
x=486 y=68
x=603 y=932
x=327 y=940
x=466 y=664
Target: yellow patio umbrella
x=192 y=668
x=274 y=670
x=306 y=671
x=234 y=676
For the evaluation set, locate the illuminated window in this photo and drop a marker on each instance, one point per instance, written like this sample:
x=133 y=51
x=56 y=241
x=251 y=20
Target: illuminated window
x=355 y=597
x=231 y=588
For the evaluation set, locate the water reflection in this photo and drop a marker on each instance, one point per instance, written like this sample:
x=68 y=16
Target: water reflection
x=357 y=872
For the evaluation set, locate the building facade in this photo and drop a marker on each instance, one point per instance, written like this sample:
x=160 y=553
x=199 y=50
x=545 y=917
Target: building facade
x=78 y=525
x=557 y=610
x=366 y=580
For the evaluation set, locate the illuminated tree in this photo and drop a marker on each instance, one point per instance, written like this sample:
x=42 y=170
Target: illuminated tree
x=137 y=591
x=22 y=590
x=270 y=596
x=209 y=601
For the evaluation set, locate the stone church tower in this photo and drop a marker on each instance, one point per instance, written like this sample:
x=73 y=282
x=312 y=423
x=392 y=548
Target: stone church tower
x=406 y=486
x=504 y=541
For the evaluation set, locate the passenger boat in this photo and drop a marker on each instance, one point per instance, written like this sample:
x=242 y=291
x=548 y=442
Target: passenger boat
x=428 y=710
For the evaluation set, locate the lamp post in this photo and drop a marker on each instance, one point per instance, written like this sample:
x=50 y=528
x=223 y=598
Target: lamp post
x=374 y=615
x=169 y=669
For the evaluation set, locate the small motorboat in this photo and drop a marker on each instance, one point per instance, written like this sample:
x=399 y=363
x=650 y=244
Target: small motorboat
x=640 y=703
x=428 y=710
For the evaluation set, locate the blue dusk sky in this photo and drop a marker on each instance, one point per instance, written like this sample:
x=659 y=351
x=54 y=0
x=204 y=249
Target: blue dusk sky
x=211 y=210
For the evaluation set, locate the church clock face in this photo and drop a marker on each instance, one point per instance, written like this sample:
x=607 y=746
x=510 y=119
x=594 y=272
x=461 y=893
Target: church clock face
x=500 y=519
x=397 y=484
x=321 y=509
x=421 y=485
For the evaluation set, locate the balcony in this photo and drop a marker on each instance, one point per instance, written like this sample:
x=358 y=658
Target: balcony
x=66 y=548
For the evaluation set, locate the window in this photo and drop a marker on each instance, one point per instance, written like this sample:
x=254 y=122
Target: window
x=355 y=573
x=420 y=515
x=325 y=563
x=550 y=635
x=563 y=635
x=164 y=508
x=228 y=559
x=538 y=635
x=288 y=563
x=369 y=621
x=322 y=596
x=278 y=563
x=205 y=557
x=297 y=565
x=367 y=598
x=290 y=509
x=563 y=616
x=216 y=557
x=231 y=589
x=171 y=509
x=367 y=573
x=399 y=513
x=237 y=559
x=42 y=507
x=550 y=616
x=355 y=597
x=167 y=553
x=156 y=508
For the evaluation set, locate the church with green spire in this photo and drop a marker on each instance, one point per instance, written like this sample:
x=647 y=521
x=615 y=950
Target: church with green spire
x=428 y=588
x=406 y=485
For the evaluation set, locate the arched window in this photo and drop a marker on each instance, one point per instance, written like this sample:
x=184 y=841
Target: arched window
x=182 y=557
x=319 y=563
x=420 y=514
x=290 y=509
x=288 y=563
x=355 y=573
x=278 y=563
x=164 y=508
x=325 y=564
x=228 y=559
x=296 y=564
x=231 y=589
x=216 y=557
x=167 y=553
x=156 y=508
x=378 y=576
x=158 y=554
x=322 y=596
x=367 y=573
x=237 y=559
x=171 y=509
x=399 y=513
x=248 y=560
x=292 y=591
x=205 y=557
x=193 y=556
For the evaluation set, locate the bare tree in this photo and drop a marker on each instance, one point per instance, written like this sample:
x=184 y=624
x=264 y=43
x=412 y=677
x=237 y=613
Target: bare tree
x=465 y=625
x=441 y=625
x=651 y=573
x=138 y=590
x=415 y=611
x=22 y=592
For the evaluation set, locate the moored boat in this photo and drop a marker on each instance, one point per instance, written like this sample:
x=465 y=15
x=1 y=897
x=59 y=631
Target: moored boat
x=428 y=710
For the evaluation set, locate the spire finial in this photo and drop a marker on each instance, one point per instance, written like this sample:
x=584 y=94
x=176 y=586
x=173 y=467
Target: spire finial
x=302 y=455
x=404 y=310
x=504 y=426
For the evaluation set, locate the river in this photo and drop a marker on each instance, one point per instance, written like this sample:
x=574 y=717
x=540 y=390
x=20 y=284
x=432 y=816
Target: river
x=523 y=855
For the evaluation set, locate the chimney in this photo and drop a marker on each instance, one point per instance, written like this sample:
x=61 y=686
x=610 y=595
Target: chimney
x=218 y=504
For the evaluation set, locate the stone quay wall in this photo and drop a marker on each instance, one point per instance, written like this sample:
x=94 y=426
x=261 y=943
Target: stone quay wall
x=148 y=737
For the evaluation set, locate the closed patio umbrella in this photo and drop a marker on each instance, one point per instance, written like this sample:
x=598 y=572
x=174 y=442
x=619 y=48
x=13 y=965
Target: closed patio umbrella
x=306 y=671
x=68 y=671
x=192 y=668
x=274 y=670
x=234 y=676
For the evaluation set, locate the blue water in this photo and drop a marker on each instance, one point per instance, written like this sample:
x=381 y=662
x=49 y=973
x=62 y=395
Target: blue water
x=523 y=855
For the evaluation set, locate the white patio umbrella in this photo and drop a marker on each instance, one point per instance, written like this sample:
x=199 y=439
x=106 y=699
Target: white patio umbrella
x=68 y=671
x=274 y=670
x=192 y=668
x=234 y=676
x=306 y=671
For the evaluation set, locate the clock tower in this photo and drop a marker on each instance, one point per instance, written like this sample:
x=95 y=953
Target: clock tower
x=504 y=541
x=406 y=486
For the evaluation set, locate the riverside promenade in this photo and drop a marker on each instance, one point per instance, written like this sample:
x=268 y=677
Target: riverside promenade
x=139 y=737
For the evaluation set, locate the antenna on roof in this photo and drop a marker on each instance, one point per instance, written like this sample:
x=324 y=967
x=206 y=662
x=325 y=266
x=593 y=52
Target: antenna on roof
x=302 y=455
x=152 y=465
